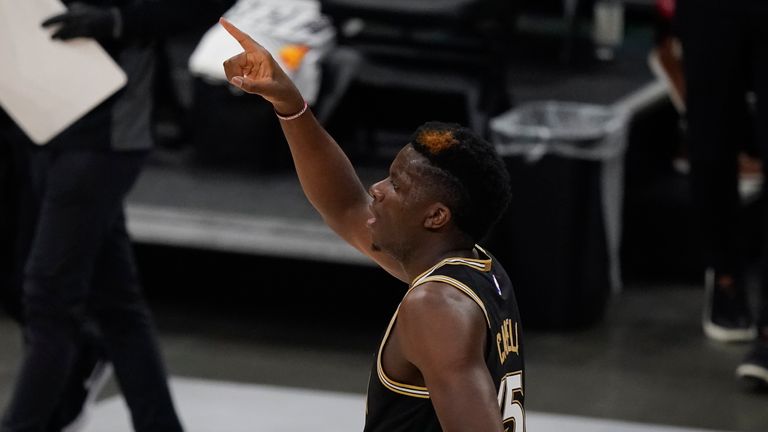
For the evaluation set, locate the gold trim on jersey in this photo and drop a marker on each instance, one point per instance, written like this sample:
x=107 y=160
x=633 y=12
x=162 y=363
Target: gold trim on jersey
x=461 y=287
x=390 y=384
x=477 y=246
x=478 y=264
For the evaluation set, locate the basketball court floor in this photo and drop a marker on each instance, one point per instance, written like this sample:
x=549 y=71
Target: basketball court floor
x=644 y=368
x=214 y=405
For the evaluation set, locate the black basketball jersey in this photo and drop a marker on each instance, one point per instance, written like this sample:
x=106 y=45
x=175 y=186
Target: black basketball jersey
x=400 y=407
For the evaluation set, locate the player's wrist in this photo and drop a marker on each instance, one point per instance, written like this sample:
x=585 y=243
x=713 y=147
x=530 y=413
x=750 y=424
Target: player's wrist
x=291 y=109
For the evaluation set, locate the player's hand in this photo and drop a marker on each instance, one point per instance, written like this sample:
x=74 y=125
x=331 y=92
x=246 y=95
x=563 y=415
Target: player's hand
x=84 y=20
x=256 y=71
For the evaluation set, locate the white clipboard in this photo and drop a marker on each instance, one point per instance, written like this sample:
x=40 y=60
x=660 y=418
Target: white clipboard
x=46 y=85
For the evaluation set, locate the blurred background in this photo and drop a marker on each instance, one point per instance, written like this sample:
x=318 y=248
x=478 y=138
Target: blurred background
x=583 y=100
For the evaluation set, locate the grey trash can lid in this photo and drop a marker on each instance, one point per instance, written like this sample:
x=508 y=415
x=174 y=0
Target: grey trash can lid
x=548 y=121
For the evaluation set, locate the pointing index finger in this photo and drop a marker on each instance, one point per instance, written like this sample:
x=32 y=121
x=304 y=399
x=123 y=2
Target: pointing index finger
x=243 y=39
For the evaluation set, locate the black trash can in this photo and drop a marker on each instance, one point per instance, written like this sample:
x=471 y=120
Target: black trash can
x=558 y=237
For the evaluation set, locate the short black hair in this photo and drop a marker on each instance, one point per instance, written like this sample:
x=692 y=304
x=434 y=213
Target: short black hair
x=471 y=177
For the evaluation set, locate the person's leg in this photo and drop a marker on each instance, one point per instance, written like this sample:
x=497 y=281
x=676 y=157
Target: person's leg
x=7 y=229
x=89 y=374
x=128 y=332
x=17 y=214
x=82 y=195
x=716 y=77
x=754 y=367
x=760 y=56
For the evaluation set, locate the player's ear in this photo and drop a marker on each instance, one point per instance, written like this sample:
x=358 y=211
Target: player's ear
x=437 y=216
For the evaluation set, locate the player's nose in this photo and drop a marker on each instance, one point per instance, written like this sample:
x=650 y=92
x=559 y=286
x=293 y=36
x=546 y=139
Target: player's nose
x=375 y=191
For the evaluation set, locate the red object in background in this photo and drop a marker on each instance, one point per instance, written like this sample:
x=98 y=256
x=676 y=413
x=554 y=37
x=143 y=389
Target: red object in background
x=666 y=8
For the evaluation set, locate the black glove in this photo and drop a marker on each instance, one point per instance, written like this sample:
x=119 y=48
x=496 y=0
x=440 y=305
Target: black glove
x=84 y=20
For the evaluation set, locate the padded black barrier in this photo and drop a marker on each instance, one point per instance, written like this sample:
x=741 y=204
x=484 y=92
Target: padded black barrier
x=427 y=51
x=416 y=13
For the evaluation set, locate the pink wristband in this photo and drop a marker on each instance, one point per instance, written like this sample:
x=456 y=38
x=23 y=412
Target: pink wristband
x=293 y=116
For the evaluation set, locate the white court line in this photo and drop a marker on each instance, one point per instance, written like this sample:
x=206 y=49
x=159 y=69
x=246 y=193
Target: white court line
x=213 y=406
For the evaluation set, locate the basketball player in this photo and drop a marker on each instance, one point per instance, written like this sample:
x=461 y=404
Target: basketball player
x=451 y=358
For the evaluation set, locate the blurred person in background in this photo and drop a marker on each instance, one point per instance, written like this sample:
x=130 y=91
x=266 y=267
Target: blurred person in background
x=80 y=266
x=725 y=53
x=90 y=370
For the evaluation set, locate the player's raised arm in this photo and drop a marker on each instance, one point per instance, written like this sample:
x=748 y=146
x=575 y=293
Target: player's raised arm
x=327 y=177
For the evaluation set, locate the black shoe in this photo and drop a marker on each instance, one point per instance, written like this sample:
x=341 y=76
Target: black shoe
x=90 y=373
x=726 y=314
x=753 y=370
x=101 y=374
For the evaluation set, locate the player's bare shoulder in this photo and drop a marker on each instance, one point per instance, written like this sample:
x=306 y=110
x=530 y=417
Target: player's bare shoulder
x=438 y=306
x=436 y=296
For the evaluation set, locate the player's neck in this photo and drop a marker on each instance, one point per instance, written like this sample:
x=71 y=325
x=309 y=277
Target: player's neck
x=430 y=254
